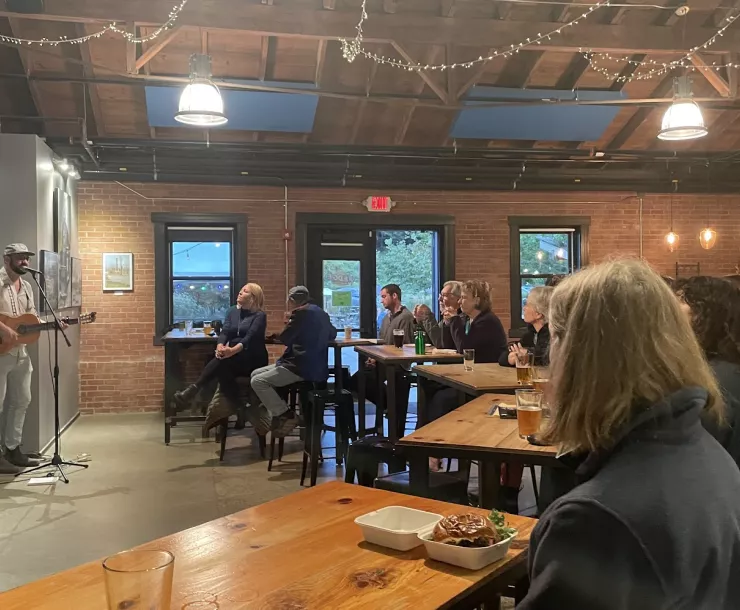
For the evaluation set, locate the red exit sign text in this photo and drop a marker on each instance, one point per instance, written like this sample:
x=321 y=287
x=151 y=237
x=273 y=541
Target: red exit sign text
x=379 y=204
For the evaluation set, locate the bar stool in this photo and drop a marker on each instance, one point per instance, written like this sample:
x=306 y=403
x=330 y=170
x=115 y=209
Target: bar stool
x=366 y=454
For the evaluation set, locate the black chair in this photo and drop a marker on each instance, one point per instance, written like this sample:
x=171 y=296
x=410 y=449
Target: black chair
x=366 y=454
x=442 y=486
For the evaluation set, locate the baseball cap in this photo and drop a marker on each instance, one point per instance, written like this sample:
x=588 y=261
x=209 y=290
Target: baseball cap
x=18 y=249
x=299 y=295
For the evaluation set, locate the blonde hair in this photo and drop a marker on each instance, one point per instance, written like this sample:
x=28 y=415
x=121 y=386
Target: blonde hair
x=620 y=343
x=481 y=292
x=539 y=300
x=258 y=296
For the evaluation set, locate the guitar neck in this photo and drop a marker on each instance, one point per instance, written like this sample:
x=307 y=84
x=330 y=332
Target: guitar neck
x=34 y=328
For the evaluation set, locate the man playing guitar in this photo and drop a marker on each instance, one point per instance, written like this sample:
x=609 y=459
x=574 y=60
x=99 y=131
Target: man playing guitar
x=16 y=298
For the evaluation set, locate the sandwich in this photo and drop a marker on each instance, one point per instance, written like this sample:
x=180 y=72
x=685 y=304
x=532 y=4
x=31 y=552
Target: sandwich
x=468 y=530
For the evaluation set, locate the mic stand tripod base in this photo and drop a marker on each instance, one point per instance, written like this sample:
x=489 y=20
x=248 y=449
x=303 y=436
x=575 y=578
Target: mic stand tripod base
x=56 y=462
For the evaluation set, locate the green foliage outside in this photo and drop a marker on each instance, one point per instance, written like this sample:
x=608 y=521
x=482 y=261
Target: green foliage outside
x=207 y=305
x=406 y=258
x=549 y=246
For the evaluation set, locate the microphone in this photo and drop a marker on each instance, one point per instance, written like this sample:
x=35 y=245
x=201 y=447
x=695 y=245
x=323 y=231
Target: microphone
x=31 y=270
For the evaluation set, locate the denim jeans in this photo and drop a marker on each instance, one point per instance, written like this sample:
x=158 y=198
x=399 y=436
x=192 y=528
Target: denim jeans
x=265 y=380
x=15 y=386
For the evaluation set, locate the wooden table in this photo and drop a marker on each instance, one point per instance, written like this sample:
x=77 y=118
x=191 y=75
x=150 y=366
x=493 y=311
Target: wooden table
x=301 y=551
x=483 y=379
x=174 y=342
x=388 y=359
x=469 y=433
x=338 y=344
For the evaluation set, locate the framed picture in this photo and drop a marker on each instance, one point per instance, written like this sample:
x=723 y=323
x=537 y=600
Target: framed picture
x=63 y=245
x=49 y=262
x=118 y=271
x=76 y=290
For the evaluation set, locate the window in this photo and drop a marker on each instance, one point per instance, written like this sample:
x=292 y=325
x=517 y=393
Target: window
x=200 y=265
x=540 y=249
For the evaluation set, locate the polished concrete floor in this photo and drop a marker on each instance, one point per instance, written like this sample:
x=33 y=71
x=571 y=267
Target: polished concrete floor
x=136 y=489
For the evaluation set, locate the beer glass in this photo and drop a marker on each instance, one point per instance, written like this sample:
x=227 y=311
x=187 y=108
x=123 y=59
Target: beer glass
x=528 y=411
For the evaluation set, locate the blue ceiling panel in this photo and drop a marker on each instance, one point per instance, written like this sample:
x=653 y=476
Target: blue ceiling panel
x=535 y=122
x=246 y=110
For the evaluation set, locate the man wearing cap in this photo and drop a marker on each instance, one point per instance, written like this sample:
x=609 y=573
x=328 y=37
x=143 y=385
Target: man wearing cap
x=16 y=298
x=306 y=337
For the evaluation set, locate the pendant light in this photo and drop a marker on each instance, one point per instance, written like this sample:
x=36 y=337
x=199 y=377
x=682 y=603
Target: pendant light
x=671 y=238
x=683 y=119
x=708 y=236
x=201 y=104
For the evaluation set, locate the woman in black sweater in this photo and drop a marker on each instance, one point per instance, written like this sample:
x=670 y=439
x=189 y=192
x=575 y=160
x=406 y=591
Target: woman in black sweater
x=713 y=306
x=240 y=350
x=537 y=338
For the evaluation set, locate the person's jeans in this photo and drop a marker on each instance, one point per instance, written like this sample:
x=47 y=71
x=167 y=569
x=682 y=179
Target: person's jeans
x=265 y=380
x=15 y=396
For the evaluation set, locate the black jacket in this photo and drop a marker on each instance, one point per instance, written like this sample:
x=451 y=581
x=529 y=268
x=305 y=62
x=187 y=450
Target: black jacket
x=655 y=524
x=246 y=327
x=537 y=342
x=306 y=337
x=486 y=336
x=728 y=377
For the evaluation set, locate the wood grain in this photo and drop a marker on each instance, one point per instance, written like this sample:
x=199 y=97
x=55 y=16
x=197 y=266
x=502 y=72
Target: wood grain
x=342 y=342
x=490 y=377
x=302 y=551
x=390 y=354
x=470 y=427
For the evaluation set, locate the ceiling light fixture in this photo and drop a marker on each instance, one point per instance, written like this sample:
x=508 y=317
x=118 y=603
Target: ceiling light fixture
x=708 y=238
x=201 y=104
x=683 y=119
x=671 y=238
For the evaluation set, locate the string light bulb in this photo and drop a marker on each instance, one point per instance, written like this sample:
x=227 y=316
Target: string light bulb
x=708 y=238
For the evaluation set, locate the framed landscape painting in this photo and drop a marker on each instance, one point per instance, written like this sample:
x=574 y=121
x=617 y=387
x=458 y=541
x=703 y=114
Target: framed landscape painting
x=118 y=271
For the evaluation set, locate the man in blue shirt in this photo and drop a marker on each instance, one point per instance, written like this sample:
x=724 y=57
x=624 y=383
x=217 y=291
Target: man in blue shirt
x=306 y=337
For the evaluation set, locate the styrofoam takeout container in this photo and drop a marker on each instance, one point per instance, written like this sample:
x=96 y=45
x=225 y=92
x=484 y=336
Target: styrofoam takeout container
x=472 y=558
x=396 y=527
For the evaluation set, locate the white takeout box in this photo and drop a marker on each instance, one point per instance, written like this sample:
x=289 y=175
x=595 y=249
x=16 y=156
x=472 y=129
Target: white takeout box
x=472 y=558
x=396 y=527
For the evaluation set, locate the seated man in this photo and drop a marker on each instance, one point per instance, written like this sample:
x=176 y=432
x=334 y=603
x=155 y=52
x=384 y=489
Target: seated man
x=438 y=333
x=306 y=337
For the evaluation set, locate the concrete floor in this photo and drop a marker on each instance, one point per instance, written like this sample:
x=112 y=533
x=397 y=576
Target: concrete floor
x=136 y=490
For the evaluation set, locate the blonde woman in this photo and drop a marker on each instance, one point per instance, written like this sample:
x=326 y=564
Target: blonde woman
x=654 y=522
x=240 y=350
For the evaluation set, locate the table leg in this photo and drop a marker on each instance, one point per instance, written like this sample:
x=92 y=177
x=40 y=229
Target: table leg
x=489 y=483
x=171 y=355
x=390 y=374
x=382 y=401
x=361 y=381
x=419 y=475
x=338 y=381
x=421 y=401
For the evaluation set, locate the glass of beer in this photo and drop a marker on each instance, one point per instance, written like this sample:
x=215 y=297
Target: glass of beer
x=524 y=362
x=398 y=338
x=139 y=579
x=528 y=411
x=468 y=359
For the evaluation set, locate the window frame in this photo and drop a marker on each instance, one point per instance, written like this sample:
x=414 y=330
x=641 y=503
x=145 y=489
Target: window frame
x=162 y=221
x=580 y=252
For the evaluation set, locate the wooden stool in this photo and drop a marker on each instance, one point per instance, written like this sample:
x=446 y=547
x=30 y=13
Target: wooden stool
x=366 y=454
x=220 y=410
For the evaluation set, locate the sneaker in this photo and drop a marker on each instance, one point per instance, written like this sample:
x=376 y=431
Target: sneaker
x=284 y=424
x=18 y=458
x=184 y=397
x=7 y=468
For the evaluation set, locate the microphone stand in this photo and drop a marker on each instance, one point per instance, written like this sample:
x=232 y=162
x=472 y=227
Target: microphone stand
x=56 y=461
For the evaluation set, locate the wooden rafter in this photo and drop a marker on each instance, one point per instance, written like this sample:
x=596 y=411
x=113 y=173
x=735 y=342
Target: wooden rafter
x=561 y=12
x=155 y=49
x=733 y=58
x=572 y=74
x=627 y=71
x=475 y=75
x=131 y=50
x=502 y=9
x=330 y=5
x=448 y=8
x=320 y=61
x=713 y=77
x=438 y=89
x=373 y=70
x=390 y=6
x=267 y=57
x=519 y=68
x=91 y=90
x=204 y=41
x=32 y=85
x=409 y=111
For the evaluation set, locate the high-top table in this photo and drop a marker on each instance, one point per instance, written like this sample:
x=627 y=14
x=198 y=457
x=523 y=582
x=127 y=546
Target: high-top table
x=469 y=433
x=388 y=359
x=300 y=551
x=338 y=344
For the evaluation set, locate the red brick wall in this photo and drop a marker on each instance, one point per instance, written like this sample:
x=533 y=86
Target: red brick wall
x=121 y=369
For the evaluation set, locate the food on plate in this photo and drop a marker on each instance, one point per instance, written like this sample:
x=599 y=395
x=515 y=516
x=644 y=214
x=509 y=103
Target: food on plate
x=468 y=530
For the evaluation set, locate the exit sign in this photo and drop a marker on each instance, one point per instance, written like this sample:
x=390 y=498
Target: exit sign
x=379 y=204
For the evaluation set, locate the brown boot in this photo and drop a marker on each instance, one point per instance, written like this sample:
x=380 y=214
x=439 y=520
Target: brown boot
x=184 y=398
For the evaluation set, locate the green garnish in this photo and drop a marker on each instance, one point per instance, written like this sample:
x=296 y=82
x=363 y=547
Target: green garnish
x=499 y=522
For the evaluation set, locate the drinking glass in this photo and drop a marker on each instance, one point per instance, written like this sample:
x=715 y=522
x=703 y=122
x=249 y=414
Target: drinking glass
x=468 y=359
x=347 y=332
x=528 y=411
x=139 y=579
x=524 y=362
x=541 y=382
x=188 y=327
x=398 y=337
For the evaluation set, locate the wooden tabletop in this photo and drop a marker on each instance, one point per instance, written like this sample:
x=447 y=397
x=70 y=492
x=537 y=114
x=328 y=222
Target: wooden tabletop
x=390 y=354
x=196 y=334
x=470 y=427
x=340 y=341
x=301 y=551
x=489 y=377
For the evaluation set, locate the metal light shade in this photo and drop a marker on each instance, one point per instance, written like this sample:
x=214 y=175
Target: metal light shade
x=682 y=121
x=201 y=104
x=672 y=240
x=708 y=238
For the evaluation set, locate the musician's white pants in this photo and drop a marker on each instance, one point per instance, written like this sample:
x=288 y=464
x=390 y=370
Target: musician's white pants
x=15 y=396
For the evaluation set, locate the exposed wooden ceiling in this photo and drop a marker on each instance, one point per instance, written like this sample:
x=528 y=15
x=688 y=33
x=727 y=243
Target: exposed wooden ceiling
x=96 y=90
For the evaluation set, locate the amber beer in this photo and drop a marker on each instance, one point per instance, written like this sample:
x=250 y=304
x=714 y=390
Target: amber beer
x=523 y=375
x=541 y=385
x=529 y=420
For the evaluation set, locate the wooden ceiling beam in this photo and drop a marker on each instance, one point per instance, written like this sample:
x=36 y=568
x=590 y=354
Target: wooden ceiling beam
x=720 y=85
x=432 y=84
x=448 y=8
x=330 y=5
x=627 y=71
x=518 y=69
x=475 y=74
x=204 y=41
x=320 y=61
x=638 y=118
x=390 y=6
x=32 y=85
x=131 y=50
x=90 y=89
x=155 y=49
x=267 y=58
x=572 y=74
x=502 y=9
x=405 y=27
x=372 y=71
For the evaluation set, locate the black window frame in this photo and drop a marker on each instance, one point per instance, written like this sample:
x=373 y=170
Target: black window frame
x=163 y=221
x=578 y=225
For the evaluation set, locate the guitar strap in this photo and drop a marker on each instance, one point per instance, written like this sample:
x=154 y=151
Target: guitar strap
x=15 y=298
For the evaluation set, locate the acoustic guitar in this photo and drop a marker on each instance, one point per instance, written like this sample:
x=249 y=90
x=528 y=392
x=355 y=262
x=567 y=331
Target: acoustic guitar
x=29 y=328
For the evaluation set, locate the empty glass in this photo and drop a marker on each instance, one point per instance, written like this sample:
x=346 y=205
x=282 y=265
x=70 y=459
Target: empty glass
x=139 y=580
x=468 y=359
x=528 y=411
x=188 y=327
